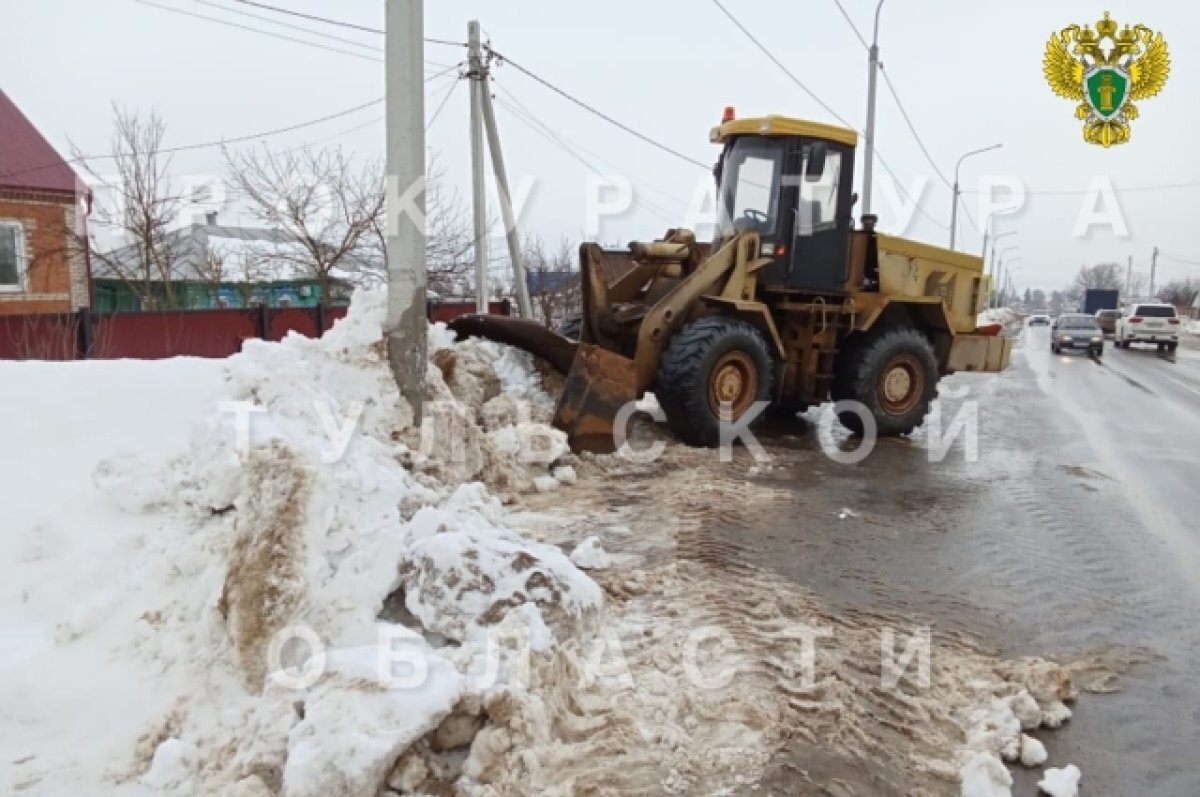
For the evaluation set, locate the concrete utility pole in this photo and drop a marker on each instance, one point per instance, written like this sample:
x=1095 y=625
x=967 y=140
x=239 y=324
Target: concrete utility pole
x=1129 y=277
x=1153 y=269
x=475 y=74
x=406 y=317
x=506 y=208
x=872 y=82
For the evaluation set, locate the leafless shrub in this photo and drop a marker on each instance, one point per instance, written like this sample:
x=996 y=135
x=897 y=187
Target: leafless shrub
x=553 y=280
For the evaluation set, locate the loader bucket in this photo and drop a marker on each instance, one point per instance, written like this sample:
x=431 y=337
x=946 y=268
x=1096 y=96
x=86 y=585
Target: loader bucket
x=599 y=384
x=522 y=333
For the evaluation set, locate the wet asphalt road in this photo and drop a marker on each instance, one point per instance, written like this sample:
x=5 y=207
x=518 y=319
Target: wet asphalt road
x=1075 y=535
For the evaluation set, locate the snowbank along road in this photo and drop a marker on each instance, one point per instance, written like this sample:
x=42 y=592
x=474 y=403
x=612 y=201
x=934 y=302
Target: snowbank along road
x=258 y=577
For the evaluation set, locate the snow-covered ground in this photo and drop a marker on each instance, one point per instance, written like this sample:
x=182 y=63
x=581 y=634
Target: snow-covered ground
x=183 y=536
x=259 y=577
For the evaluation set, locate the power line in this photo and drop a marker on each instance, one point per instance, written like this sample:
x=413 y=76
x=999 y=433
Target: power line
x=556 y=141
x=780 y=64
x=590 y=109
x=548 y=133
x=441 y=106
x=896 y=180
x=338 y=22
x=1082 y=191
x=310 y=17
x=1179 y=260
x=853 y=27
x=967 y=213
x=444 y=72
x=300 y=28
x=260 y=31
x=208 y=144
x=580 y=148
x=254 y=136
x=912 y=128
x=900 y=187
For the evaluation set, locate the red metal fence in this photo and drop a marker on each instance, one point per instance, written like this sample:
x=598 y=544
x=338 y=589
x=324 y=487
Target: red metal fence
x=176 y=333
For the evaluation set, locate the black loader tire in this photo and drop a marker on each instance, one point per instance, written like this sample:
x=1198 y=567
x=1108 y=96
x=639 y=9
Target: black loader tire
x=710 y=349
x=861 y=375
x=571 y=326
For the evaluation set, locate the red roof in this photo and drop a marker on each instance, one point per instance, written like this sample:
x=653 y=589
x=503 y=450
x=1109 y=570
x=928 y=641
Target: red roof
x=27 y=160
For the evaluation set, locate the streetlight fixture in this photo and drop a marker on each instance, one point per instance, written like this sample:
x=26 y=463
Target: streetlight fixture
x=995 y=241
x=957 y=193
x=872 y=78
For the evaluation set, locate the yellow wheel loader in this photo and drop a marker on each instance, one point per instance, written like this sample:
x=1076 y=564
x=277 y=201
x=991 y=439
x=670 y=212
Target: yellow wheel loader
x=792 y=305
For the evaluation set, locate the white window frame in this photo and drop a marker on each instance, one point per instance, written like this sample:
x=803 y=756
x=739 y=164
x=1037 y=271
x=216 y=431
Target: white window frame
x=21 y=264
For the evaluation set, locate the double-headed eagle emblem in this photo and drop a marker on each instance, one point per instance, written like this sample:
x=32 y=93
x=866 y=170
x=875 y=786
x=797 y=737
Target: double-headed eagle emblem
x=1106 y=71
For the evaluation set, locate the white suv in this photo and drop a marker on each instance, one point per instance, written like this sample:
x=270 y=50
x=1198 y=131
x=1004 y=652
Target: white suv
x=1149 y=323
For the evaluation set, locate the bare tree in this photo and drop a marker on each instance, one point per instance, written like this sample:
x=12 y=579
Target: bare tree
x=141 y=207
x=327 y=209
x=553 y=278
x=1102 y=275
x=214 y=268
x=449 y=240
x=1138 y=281
x=1181 y=293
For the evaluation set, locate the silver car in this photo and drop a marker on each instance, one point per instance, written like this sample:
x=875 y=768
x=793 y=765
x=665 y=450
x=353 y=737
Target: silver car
x=1077 y=331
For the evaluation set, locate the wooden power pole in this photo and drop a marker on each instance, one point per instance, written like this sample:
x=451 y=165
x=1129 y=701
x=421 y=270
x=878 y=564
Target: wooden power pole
x=406 y=317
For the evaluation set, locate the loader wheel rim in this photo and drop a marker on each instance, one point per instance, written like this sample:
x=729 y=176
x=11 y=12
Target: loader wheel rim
x=734 y=381
x=901 y=385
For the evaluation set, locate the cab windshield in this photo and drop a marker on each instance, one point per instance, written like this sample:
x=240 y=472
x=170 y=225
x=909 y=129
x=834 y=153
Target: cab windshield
x=750 y=181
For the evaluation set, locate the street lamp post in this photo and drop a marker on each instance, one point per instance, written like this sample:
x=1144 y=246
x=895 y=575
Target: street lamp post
x=957 y=193
x=997 y=277
x=1007 y=275
x=872 y=78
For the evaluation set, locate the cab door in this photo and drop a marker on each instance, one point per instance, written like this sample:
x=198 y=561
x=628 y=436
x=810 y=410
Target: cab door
x=820 y=185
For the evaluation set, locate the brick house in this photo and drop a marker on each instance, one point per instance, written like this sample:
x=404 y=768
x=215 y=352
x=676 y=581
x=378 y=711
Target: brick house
x=43 y=213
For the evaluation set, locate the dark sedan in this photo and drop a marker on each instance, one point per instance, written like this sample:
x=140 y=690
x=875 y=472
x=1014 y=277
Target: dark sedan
x=1077 y=332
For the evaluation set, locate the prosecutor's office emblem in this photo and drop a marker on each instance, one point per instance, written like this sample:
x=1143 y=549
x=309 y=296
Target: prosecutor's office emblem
x=1105 y=72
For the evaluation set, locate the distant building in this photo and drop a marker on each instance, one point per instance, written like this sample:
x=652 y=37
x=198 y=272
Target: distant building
x=207 y=273
x=43 y=213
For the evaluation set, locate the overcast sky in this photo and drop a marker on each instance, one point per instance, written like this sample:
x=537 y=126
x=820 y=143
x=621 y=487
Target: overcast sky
x=969 y=74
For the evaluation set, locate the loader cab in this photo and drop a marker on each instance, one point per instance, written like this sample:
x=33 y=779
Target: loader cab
x=791 y=181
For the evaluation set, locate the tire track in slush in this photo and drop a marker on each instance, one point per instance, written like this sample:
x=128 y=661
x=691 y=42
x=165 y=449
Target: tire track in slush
x=772 y=621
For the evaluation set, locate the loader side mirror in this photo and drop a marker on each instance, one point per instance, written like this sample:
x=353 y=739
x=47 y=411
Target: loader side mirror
x=814 y=167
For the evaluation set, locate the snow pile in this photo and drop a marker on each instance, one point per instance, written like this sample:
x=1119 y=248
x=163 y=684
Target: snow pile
x=1010 y=319
x=1032 y=694
x=486 y=419
x=590 y=556
x=312 y=600
x=1061 y=782
x=1192 y=327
